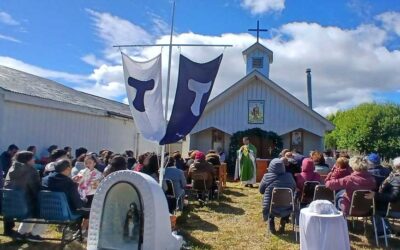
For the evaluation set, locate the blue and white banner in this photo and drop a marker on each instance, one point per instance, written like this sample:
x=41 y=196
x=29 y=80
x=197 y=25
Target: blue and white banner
x=144 y=91
x=195 y=82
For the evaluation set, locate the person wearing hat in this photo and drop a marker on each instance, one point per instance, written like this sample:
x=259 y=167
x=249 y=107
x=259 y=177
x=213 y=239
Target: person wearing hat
x=202 y=167
x=23 y=176
x=375 y=168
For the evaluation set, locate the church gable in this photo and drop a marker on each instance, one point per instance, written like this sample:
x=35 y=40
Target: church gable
x=255 y=101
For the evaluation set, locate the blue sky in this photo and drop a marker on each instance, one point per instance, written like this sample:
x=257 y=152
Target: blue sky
x=71 y=41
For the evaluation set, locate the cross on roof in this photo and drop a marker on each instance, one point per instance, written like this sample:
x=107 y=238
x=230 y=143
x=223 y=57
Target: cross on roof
x=258 y=30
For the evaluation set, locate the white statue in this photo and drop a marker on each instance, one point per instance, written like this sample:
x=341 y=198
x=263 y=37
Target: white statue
x=131 y=222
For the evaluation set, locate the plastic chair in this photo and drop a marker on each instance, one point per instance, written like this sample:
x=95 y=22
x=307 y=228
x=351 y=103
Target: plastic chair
x=393 y=212
x=54 y=207
x=283 y=198
x=324 y=193
x=14 y=205
x=307 y=195
x=362 y=207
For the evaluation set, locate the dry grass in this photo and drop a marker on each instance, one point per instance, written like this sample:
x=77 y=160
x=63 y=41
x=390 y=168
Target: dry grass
x=236 y=223
x=233 y=223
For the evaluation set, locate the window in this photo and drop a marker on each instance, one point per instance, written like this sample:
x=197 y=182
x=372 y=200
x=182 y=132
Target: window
x=121 y=223
x=257 y=62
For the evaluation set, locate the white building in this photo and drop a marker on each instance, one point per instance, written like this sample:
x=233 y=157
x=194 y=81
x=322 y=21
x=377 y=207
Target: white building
x=41 y=112
x=256 y=101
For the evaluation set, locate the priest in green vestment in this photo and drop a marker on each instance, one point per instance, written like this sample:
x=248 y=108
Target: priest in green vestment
x=246 y=163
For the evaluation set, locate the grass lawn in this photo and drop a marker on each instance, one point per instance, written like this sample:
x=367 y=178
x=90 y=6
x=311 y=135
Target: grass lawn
x=233 y=223
x=236 y=223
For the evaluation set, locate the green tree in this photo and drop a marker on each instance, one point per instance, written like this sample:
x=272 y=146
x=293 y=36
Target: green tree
x=369 y=127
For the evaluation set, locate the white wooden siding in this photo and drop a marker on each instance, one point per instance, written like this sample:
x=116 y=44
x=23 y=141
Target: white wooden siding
x=280 y=114
x=258 y=54
x=26 y=124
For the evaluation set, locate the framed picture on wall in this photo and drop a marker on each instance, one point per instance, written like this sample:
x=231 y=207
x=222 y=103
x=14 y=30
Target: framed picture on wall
x=297 y=138
x=256 y=111
x=297 y=141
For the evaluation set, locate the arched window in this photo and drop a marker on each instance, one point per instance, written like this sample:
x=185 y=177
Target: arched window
x=122 y=221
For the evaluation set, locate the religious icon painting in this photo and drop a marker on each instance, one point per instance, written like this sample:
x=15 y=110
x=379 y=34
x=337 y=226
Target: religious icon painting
x=256 y=111
x=297 y=138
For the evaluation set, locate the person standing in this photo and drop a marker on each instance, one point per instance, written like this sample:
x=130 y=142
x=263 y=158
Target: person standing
x=246 y=163
x=6 y=159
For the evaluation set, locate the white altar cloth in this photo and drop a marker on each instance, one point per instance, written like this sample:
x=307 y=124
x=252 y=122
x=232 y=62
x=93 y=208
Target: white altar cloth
x=323 y=231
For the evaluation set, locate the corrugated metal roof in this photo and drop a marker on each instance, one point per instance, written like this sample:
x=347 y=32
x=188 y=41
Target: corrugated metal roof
x=27 y=84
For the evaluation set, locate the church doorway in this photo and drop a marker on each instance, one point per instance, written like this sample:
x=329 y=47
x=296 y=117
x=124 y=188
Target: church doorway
x=268 y=143
x=217 y=139
x=263 y=145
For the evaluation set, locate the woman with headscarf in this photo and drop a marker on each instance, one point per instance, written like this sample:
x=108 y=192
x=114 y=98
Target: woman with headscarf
x=307 y=174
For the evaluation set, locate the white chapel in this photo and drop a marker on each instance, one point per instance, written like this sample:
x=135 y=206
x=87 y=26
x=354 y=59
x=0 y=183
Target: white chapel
x=255 y=101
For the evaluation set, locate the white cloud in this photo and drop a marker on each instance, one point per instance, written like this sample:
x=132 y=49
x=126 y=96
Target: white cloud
x=9 y=38
x=110 y=90
x=349 y=66
x=262 y=6
x=109 y=82
x=114 y=30
x=91 y=59
x=360 y=7
x=390 y=21
x=7 y=19
x=160 y=26
x=22 y=66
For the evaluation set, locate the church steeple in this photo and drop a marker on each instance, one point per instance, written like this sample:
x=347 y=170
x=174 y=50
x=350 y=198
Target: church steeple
x=258 y=57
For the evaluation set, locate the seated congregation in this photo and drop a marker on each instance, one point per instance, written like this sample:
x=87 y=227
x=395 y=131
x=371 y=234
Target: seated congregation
x=199 y=175
x=78 y=178
x=349 y=183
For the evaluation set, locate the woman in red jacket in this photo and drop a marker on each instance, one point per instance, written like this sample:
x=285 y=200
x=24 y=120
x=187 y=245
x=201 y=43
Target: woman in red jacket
x=340 y=169
x=360 y=179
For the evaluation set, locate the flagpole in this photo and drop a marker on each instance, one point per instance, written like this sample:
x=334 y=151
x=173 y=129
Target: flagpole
x=162 y=170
